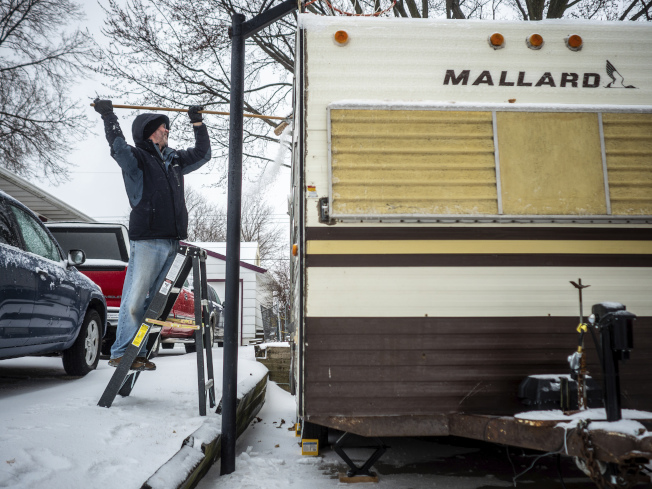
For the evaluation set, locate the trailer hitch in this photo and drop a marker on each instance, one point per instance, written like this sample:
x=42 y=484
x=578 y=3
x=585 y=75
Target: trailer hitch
x=625 y=474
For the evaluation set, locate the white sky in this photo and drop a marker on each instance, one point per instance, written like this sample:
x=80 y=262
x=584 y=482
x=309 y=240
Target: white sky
x=96 y=187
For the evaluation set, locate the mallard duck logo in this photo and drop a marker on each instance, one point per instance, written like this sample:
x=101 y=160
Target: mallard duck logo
x=617 y=80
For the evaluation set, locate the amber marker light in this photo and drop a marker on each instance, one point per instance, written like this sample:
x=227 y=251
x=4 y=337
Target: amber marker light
x=535 y=41
x=295 y=249
x=341 y=37
x=574 y=42
x=497 y=40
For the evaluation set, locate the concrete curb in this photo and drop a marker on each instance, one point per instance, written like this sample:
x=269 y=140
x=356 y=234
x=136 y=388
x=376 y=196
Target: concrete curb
x=203 y=448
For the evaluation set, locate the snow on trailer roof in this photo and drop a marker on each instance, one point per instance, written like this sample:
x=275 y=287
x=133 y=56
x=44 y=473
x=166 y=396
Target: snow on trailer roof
x=313 y=21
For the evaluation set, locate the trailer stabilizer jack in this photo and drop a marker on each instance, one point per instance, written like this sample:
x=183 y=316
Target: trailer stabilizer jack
x=364 y=470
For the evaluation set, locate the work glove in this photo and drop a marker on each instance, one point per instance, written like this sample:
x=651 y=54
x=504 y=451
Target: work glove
x=193 y=113
x=103 y=107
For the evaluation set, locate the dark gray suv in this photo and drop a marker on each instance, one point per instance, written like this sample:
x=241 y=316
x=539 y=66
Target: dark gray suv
x=46 y=305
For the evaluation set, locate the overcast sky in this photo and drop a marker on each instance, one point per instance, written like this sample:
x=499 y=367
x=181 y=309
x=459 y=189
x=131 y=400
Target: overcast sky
x=96 y=187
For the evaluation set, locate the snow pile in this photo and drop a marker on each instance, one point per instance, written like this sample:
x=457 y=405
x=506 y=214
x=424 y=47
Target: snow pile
x=52 y=433
x=593 y=414
x=274 y=344
x=627 y=425
x=175 y=473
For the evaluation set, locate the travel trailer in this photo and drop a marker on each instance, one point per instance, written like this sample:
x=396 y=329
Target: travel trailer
x=451 y=178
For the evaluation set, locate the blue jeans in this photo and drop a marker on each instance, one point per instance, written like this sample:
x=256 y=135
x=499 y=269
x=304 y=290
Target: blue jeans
x=148 y=264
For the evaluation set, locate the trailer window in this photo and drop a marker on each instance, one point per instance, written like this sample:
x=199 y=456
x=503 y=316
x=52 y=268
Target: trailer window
x=414 y=162
x=628 y=147
x=551 y=163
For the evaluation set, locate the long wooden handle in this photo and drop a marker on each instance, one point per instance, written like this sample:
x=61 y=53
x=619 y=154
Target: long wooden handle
x=171 y=109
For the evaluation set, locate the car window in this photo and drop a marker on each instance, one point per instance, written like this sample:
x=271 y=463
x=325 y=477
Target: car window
x=8 y=232
x=36 y=238
x=96 y=243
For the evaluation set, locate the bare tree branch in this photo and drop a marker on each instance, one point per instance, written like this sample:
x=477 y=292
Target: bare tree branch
x=37 y=62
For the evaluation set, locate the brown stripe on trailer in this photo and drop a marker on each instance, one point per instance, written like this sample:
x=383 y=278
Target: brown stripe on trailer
x=478 y=246
x=365 y=368
x=478 y=232
x=479 y=260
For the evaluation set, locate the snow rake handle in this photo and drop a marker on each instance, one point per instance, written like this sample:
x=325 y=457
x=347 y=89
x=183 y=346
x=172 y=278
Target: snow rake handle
x=215 y=112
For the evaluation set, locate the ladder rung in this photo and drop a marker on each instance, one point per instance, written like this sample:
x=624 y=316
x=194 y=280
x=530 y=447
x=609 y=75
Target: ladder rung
x=183 y=321
x=172 y=324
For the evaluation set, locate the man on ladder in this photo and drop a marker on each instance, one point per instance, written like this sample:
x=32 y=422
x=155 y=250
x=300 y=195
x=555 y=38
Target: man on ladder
x=153 y=176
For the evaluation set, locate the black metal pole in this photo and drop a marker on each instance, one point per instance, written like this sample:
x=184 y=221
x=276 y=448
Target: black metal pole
x=611 y=376
x=240 y=30
x=230 y=372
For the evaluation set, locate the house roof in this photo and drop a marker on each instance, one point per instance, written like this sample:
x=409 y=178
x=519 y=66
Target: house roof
x=213 y=249
x=45 y=205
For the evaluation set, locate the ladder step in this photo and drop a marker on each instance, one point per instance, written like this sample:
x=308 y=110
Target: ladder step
x=172 y=324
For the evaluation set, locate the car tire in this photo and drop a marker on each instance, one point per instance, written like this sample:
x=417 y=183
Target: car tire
x=84 y=354
x=190 y=347
x=167 y=346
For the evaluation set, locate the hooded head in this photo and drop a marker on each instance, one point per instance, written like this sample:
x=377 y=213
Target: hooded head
x=145 y=124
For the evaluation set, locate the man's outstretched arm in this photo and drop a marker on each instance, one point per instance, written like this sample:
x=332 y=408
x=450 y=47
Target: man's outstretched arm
x=194 y=158
x=120 y=151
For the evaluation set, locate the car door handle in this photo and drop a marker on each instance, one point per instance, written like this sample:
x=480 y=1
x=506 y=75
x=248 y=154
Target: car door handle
x=42 y=273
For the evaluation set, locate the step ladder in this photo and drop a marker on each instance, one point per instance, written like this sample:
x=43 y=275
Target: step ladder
x=123 y=380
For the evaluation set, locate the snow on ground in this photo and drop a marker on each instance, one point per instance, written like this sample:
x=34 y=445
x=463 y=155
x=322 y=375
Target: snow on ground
x=52 y=433
x=269 y=457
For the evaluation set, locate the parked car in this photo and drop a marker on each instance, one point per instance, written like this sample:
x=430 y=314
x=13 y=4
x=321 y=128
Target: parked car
x=107 y=254
x=171 y=335
x=46 y=305
x=217 y=311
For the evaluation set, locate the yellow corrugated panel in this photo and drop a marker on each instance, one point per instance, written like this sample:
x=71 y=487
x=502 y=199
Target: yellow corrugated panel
x=628 y=144
x=551 y=163
x=412 y=162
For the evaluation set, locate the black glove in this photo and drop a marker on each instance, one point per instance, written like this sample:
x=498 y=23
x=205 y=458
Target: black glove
x=103 y=107
x=193 y=113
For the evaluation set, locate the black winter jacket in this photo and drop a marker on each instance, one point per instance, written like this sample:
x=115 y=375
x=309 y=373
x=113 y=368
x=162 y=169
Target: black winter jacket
x=154 y=179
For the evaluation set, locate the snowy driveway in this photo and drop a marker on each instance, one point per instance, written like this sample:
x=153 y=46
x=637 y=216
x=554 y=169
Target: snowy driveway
x=53 y=434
